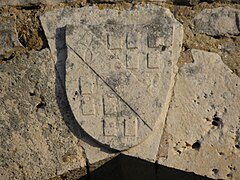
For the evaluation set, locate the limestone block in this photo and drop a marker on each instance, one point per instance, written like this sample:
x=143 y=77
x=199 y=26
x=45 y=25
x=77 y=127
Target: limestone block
x=218 y=21
x=8 y=35
x=204 y=119
x=35 y=142
x=118 y=68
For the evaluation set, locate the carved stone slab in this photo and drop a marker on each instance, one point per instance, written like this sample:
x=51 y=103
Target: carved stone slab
x=119 y=71
x=115 y=75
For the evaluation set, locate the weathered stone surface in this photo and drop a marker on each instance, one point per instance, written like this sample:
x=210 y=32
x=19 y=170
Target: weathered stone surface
x=204 y=119
x=35 y=142
x=33 y=2
x=195 y=2
x=227 y=1
x=115 y=76
x=100 y=50
x=231 y=53
x=218 y=21
x=149 y=149
x=8 y=35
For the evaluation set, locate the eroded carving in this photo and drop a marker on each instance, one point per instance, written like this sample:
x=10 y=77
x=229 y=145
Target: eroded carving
x=88 y=105
x=123 y=69
x=110 y=126
x=132 y=59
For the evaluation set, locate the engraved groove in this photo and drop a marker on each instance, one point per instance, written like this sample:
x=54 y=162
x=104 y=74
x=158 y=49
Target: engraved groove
x=145 y=123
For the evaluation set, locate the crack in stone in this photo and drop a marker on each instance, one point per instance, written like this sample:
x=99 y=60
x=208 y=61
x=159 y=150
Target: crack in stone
x=237 y=17
x=161 y=152
x=164 y=132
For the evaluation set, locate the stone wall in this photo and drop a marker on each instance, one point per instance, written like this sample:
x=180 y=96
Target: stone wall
x=198 y=125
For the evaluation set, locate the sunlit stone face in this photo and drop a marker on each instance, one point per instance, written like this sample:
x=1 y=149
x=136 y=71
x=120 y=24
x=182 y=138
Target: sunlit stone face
x=119 y=70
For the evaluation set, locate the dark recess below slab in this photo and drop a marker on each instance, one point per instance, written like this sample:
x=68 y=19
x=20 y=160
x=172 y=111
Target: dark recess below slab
x=125 y=167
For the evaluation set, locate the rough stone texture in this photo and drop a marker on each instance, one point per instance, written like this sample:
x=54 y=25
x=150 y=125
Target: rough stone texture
x=99 y=34
x=231 y=53
x=218 y=21
x=29 y=31
x=202 y=132
x=33 y=2
x=227 y=46
x=228 y=1
x=8 y=35
x=35 y=142
x=195 y=2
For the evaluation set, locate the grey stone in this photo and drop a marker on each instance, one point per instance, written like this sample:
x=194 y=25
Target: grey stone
x=8 y=35
x=203 y=122
x=98 y=64
x=218 y=22
x=35 y=142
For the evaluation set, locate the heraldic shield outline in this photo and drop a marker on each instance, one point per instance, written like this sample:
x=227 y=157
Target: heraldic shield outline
x=118 y=77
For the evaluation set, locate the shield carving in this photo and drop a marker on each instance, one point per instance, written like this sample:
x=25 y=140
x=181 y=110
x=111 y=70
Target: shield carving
x=119 y=72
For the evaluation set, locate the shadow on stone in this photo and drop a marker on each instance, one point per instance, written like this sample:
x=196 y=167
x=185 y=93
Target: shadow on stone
x=125 y=167
x=60 y=91
x=182 y=2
